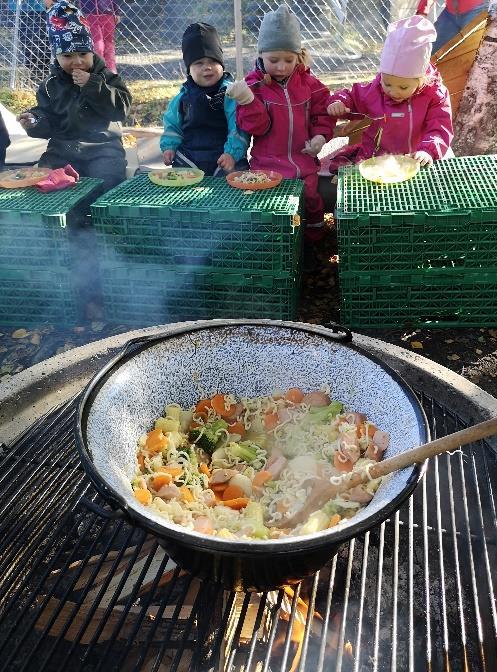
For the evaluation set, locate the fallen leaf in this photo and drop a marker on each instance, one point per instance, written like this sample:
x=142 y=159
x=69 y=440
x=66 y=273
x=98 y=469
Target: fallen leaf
x=453 y=358
x=35 y=339
x=493 y=332
x=417 y=345
x=97 y=326
x=449 y=340
x=478 y=351
x=19 y=333
x=481 y=339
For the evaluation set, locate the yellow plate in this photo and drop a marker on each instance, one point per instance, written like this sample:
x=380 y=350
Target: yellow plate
x=389 y=168
x=176 y=177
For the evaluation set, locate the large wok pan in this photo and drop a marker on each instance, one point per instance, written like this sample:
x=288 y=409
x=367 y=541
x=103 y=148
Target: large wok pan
x=246 y=358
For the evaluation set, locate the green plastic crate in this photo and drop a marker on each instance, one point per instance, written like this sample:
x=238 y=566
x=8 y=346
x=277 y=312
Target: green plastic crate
x=446 y=216
x=36 y=296
x=429 y=298
x=211 y=225
x=146 y=294
x=431 y=240
x=34 y=229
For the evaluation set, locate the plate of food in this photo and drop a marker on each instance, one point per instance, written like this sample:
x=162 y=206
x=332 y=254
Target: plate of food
x=253 y=180
x=176 y=177
x=389 y=168
x=22 y=177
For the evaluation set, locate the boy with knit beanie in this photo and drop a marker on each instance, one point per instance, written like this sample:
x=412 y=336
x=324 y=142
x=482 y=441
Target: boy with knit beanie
x=200 y=128
x=81 y=105
x=407 y=101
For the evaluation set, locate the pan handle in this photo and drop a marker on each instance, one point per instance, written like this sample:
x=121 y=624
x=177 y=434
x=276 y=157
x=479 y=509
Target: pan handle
x=339 y=333
x=110 y=514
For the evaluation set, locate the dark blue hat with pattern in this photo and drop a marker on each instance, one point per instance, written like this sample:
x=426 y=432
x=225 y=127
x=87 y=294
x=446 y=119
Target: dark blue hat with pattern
x=68 y=30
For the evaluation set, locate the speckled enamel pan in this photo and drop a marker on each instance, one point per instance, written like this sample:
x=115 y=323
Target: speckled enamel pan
x=245 y=358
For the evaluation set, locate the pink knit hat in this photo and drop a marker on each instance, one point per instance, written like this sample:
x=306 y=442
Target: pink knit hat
x=407 y=48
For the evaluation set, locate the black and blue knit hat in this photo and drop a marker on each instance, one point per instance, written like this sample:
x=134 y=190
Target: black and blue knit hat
x=200 y=40
x=68 y=30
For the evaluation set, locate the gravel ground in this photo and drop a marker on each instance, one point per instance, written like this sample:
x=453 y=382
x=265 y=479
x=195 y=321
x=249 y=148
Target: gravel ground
x=469 y=352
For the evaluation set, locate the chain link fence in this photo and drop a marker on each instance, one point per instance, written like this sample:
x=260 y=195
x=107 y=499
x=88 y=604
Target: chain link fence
x=343 y=36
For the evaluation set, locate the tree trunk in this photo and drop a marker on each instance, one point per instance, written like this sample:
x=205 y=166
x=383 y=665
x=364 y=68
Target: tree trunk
x=476 y=123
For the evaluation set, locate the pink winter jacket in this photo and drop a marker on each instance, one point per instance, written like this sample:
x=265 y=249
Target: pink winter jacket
x=281 y=118
x=422 y=123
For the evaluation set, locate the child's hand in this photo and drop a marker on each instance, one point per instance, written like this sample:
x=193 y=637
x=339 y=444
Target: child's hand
x=314 y=145
x=80 y=77
x=240 y=91
x=168 y=156
x=27 y=120
x=423 y=158
x=337 y=109
x=226 y=162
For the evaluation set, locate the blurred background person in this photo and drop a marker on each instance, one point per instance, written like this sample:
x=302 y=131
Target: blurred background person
x=453 y=17
x=103 y=17
x=33 y=40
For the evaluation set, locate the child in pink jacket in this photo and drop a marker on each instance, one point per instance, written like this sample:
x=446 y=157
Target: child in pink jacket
x=407 y=101
x=284 y=108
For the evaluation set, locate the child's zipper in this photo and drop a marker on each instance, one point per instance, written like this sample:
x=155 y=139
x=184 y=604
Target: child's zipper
x=290 y=126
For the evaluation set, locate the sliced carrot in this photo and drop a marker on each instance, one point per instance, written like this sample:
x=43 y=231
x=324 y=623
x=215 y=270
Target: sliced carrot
x=237 y=428
x=156 y=441
x=218 y=487
x=334 y=520
x=203 y=406
x=260 y=478
x=141 y=460
x=271 y=421
x=143 y=496
x=160 y=480
x=237 y=504
x=186 y=494
x=174 y=472
x=233 y=492
x=219 y=405
x=204 y=469
x=295 y=395
x=342 y=466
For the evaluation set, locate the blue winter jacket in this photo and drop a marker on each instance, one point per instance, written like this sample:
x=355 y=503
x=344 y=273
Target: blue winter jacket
x=200 y=127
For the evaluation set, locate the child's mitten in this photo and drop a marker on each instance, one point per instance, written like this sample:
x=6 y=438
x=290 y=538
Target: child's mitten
x=314 y=145
x=240 y=91
x=60 y=178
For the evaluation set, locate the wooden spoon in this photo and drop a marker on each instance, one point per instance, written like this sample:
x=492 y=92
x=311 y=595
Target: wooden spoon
x=323 y=491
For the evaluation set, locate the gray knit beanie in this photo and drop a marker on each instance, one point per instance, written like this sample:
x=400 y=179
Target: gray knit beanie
x=279 y=31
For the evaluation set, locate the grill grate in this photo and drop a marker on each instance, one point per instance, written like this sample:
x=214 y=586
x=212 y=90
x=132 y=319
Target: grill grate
x=85 y=594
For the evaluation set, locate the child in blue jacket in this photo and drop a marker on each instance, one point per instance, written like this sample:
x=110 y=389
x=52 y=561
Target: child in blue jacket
x=200 y=122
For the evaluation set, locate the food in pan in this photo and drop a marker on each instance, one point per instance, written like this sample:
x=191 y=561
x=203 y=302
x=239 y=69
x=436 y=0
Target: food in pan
x=257 y=468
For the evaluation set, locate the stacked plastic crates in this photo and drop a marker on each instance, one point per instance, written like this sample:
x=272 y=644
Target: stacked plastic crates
x=37 y=279
x=207 y=251
x=421 y=253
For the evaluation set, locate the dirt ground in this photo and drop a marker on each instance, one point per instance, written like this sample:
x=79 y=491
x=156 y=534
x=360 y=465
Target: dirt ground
x=469 y=352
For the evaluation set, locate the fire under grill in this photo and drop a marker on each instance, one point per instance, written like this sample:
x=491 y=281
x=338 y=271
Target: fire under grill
x=82 y=593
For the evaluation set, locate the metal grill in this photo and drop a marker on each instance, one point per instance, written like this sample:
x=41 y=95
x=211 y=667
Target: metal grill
x=82 y=593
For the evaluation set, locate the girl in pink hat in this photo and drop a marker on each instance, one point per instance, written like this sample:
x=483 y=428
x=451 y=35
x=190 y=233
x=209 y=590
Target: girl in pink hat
x=407 y=101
